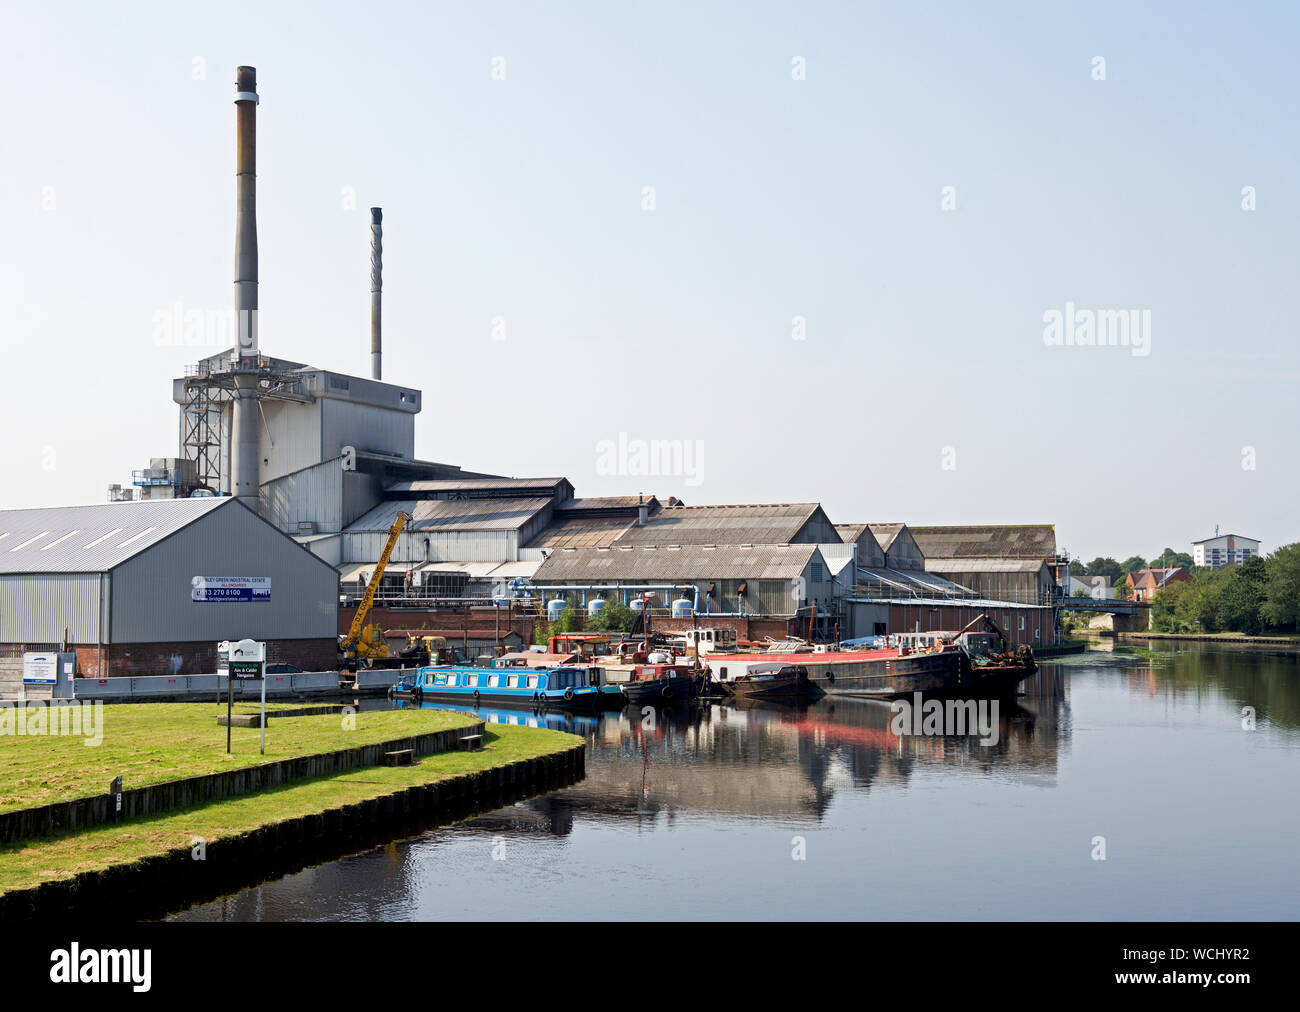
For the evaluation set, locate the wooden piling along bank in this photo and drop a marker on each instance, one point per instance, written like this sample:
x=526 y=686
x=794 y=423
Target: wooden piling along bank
x=100 y=809
x=158 y=885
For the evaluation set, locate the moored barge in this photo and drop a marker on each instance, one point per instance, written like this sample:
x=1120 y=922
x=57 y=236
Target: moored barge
x=962 y=664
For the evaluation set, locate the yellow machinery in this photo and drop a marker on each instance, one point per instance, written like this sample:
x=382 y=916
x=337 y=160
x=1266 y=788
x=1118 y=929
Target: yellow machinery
x=425 y=649
x=366 y=642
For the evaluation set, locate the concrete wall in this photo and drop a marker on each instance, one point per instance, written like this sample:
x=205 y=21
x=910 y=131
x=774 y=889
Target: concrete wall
x=195 y=657
x=155 y=688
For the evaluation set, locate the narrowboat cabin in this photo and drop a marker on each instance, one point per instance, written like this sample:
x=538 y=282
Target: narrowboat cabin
x=559 y=688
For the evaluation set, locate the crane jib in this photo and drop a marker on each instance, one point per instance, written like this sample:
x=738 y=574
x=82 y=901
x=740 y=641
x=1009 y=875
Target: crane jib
x=367 y=599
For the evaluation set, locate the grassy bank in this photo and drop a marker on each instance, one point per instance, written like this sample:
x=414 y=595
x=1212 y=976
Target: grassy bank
x=148 y=743
x=28 y=864
x=1278 y=639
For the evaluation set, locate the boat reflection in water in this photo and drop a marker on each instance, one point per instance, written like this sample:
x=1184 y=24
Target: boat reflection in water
x=776 y=757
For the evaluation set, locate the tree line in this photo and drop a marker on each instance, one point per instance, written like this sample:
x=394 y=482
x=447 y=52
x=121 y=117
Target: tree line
x=1117 y=571
x=1260 y=595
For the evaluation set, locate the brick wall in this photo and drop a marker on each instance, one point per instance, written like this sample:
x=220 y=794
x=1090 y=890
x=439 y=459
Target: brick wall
x=483 y=623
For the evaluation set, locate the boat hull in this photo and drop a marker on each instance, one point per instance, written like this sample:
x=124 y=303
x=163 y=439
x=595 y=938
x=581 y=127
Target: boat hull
x=658 y=691
x=762 y=687
x=887 y=675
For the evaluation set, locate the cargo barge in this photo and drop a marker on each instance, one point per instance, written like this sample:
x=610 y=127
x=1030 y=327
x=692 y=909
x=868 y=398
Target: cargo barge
x=962 y=664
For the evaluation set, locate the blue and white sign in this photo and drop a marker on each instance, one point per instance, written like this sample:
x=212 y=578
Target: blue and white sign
x=230 y=588
x=40 y=669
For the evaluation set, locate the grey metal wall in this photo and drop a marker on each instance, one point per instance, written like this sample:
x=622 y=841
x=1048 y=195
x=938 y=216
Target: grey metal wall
x=366 y=427
x=452 y=546
x=290 y=437
x=325 y=495
x=904 y=552
x=37 y=607
x=151 y=592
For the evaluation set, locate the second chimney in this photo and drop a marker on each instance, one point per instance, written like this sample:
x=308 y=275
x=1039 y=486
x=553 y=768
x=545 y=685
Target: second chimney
x=376 y=293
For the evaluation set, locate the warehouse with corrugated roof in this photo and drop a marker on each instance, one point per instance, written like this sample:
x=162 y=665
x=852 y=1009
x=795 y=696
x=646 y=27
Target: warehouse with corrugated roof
x=151 y=586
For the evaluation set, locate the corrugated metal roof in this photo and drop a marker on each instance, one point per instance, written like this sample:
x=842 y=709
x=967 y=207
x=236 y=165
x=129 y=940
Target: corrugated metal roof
x=473 y=484
x=607 y=502
x=474 y=570
x=772 y=524
x=886 y=533
x=597 y=565
x=911 y=581
x=983 y=565
x=93 y=539
x=439 y=515
x=1003 y=541
x=964 y=602
x=582 y=532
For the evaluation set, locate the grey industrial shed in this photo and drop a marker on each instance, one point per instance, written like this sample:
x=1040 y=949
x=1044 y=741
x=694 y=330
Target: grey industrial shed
x=114 y=581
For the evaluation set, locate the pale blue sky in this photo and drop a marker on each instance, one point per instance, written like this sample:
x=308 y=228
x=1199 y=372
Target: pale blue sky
x=775 y=198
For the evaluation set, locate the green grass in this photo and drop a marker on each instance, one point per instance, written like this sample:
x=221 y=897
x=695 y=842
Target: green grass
x=29 y=863
x=148 y=743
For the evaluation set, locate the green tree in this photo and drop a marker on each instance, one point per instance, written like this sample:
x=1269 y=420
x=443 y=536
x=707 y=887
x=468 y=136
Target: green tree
x=1104 y=566
x=566 y=623
x=1169 y=558
x=1241 y=597
x=615 y=617
x=1198 y=606
x=1132 y=564
x=1281 y=605
x=1164 y=608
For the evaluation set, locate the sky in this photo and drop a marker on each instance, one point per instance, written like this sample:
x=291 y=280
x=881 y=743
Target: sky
x=814 y=250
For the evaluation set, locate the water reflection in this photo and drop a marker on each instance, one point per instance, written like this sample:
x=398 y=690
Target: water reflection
x=693 y=796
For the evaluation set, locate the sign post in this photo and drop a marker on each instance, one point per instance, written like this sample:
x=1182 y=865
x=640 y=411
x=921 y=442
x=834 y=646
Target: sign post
x=245 y=660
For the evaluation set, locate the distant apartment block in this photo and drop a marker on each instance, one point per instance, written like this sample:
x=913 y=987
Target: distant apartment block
x=1224 y=550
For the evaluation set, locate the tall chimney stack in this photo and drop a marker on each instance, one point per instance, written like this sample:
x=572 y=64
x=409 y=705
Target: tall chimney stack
x=245 y=444
x=376 y=292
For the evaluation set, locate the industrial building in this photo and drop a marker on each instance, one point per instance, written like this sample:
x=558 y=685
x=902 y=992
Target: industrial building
x=1018 y=563
x=327 y=460
x=151 y=587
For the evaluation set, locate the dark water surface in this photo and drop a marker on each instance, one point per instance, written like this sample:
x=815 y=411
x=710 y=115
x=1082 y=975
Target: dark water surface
x=703 y=816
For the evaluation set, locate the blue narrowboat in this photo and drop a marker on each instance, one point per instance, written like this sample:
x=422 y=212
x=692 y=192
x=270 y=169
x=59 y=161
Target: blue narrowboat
x=559 y=688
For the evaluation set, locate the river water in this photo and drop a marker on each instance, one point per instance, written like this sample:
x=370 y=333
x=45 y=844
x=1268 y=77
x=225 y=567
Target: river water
x=823 y=812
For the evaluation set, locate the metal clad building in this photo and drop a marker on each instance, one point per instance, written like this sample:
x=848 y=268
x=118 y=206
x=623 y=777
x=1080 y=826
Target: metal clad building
x=115 y=580
x=777 y=579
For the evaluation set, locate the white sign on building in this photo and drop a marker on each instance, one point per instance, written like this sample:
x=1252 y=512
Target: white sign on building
x=40 y=669
x=230 y=588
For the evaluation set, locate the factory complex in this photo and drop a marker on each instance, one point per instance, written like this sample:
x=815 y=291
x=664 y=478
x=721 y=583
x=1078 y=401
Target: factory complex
x=281 y=501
